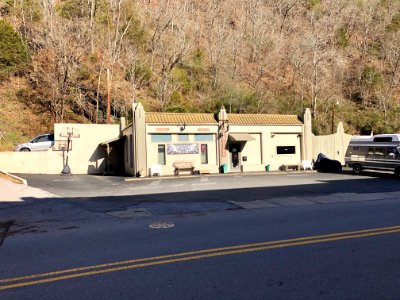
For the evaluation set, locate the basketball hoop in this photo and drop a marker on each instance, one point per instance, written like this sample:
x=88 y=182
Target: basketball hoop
x=62 y=145
x=69 y=133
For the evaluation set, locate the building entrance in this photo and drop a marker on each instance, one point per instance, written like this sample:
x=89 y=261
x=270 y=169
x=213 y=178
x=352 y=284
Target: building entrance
x=235 y=154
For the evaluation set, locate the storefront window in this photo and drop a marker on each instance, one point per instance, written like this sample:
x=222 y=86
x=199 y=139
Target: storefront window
x=204 y=154
x=161 y=154
x=203 y=137
x=286 y=150
x=183 y=138
x=160 y=138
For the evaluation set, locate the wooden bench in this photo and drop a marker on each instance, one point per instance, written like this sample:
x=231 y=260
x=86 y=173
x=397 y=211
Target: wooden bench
x=290 y=167
x=187 y=166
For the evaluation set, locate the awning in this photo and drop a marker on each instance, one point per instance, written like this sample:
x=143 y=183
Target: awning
x=110 y=141
x=240 y=137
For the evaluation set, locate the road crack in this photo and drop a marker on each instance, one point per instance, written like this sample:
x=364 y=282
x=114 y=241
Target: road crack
x=4 y=229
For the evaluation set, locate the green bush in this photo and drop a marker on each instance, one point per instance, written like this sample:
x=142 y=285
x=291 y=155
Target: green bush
x=83 y=72
x=342 y=37
x=30 y=8
x=135 y=33
x=14 y=56
x=313 y=4
x=238 y=99
x=177 y=103
x=193 y=76
x=140 y=73
x=181 y=75
x=394 y=25
x=371 y=77
x=71 y=9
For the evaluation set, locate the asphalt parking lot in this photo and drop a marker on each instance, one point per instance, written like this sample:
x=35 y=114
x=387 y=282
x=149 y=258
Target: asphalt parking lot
x=236 y=187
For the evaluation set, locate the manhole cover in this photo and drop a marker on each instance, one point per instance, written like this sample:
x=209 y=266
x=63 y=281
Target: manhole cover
x=160 y=225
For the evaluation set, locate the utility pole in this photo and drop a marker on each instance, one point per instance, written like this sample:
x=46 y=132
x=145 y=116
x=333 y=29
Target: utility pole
x=333 y=115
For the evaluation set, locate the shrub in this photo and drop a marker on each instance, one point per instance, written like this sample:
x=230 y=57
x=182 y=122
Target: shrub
x=371 y=77
x=342 y=38
x=71 y=9
x=13 y=53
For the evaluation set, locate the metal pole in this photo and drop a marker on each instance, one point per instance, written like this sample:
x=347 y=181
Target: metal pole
x=67 y=170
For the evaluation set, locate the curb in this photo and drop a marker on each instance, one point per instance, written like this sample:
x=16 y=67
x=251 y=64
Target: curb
x=220 y=175
x=23 y=181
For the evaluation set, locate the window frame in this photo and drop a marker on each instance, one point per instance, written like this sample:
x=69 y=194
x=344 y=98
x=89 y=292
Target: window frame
x=186 y=139
x=204 y=154
x=164 y=162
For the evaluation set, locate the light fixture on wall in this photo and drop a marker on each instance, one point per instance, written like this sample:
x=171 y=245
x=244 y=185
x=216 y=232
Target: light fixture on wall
x=182 y=127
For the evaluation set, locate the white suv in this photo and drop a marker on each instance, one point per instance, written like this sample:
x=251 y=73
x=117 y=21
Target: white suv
x=40 y=143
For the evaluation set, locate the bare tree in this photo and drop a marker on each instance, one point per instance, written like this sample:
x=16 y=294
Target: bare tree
x=169 y=44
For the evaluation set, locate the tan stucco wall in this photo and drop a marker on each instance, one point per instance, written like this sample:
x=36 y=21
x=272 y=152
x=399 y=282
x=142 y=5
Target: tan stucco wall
x=40 y=162
x=128 y=150
x=281 y=139
x=85 y=157
x=191 y=130
x=333 y=146
x=262 y=151
x=259 y=153
x=253 y=151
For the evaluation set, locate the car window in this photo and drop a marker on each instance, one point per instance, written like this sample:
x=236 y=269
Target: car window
x=370 y=152
x=379 y=152
x=44 y=138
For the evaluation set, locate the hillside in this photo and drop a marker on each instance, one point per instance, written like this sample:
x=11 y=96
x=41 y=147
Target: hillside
x=58 y=58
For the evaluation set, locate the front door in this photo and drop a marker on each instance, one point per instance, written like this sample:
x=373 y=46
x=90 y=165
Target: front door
x=234 y=151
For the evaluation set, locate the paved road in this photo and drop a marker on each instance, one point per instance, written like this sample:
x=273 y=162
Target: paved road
x=309 y=230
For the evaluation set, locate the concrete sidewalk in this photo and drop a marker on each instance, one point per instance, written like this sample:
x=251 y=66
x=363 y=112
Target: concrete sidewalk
x=15 y=192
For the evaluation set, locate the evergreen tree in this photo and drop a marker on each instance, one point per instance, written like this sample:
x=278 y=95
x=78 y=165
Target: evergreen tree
x=13 y=53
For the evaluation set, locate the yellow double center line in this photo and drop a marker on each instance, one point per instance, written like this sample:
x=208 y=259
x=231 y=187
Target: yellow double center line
x=16 y=282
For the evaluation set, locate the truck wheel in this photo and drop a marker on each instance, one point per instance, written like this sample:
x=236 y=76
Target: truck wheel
x=357 y=169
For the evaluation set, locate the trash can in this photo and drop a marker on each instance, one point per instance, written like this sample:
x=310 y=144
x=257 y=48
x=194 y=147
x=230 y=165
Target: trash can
x=224 y=168
x=267 y=168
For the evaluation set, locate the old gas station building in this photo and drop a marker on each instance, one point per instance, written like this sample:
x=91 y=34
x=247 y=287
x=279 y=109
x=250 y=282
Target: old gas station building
x=163 y=144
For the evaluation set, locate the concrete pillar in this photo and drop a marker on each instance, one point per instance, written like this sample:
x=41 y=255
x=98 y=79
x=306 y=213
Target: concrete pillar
x=223 y=128
x=122 y=124
x=139 y=140
x=307 y=136
x=340 y=147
